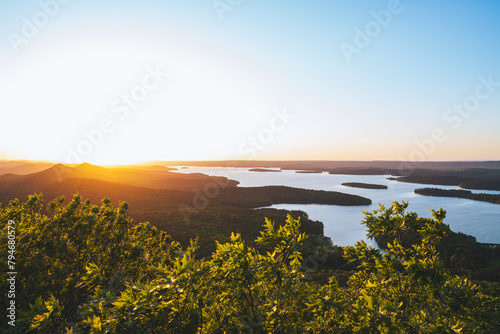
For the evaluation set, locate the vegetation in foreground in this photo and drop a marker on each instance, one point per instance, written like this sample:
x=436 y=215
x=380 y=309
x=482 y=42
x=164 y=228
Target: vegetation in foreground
x=89 y=269
x=212 y=224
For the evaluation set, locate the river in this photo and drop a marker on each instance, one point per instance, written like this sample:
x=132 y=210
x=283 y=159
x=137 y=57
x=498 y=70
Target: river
x=343 y=223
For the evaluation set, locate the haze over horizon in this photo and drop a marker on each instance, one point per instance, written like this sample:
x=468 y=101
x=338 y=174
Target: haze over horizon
x=120 y=82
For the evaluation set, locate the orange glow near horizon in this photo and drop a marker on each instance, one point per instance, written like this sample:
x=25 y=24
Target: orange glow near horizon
x=120 y=161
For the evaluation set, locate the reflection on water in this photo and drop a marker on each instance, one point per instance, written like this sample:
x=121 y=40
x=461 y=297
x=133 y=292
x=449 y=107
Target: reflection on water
x=342 y=223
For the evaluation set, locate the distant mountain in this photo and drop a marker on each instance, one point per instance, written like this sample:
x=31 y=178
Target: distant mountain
x=156 y=189
x=22 y=167
x=473 y=178
x=55 y=181
x=327 y=165
x=185 y=205
x=15 y=185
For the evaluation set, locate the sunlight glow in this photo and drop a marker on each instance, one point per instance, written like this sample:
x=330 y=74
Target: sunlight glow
x=89 y=69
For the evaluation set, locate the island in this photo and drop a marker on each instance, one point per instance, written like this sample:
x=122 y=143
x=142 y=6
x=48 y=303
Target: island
x=309 y=171
x=186 y=205
x=484 y=175
x=458 y=193
x=364 y=185
x=264 y=170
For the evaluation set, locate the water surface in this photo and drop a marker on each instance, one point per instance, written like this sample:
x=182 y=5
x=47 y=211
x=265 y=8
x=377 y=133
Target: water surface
x=342 y=223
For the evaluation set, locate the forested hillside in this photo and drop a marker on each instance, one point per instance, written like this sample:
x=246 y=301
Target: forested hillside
x=83 y=268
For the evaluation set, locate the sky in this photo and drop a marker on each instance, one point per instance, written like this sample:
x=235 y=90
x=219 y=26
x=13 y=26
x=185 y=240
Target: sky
x=118 y=82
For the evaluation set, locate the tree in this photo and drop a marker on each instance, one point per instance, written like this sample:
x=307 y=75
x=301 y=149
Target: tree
x=54 y=252
x=406 y=289
x=94 y=270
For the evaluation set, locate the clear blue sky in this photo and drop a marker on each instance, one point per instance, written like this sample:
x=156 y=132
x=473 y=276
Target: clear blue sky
x=250 y=79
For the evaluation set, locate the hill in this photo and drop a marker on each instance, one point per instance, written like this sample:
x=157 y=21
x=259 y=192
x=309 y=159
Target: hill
x=153 y=178
x=327 y=165
x=85 y=268
x=473 y=178
x=184 y=205
x=459 y=194
x=159 y=185
x=22 y=167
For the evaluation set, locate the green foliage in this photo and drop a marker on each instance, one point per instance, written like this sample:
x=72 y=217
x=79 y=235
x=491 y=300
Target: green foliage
x=459 y=253
x=93 y=270
x=54 y=252
x=213 y=224
x=403 y=289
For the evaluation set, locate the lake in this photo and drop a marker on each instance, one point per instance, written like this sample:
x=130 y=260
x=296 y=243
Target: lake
x=342 y=223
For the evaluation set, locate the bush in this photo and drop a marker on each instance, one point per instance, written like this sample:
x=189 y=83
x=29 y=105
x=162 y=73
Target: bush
x=92 y=270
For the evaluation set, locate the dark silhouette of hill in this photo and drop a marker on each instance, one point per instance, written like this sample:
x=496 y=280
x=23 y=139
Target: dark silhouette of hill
x=153 y=178
x=459 y=194
x=195 y=204
x=138 y=197
x=473 y=178
x=14 y=185
x=153 y=189
x=363 y=171
x=148 y=187
x=148 y=167
x=22 y=167
x=490 y=183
